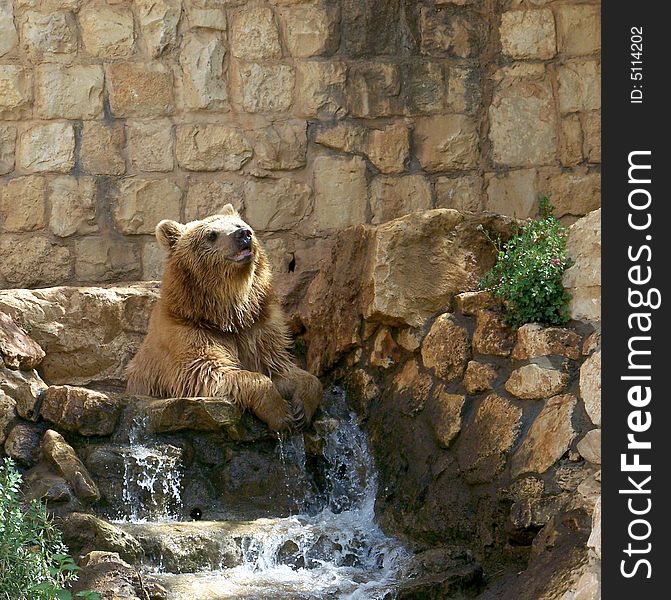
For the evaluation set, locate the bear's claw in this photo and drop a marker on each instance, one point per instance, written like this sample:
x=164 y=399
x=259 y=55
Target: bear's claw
x=299 y=418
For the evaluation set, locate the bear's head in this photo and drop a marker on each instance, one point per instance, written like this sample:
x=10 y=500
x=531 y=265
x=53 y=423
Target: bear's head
x=216 y=271
x=223 y=242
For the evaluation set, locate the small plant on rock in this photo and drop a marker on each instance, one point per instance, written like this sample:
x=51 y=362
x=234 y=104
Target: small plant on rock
x=527 y=276
x=34 y=564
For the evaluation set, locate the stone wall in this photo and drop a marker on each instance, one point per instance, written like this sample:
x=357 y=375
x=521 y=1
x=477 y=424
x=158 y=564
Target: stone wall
x=310 y=116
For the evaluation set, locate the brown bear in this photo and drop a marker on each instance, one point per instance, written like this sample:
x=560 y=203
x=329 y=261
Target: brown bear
x=218 y=329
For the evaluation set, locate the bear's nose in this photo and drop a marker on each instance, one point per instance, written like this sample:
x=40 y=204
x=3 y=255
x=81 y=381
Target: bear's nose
x=243 y=237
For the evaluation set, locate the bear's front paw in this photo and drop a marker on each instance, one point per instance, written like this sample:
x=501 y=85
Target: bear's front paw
x=278 y=414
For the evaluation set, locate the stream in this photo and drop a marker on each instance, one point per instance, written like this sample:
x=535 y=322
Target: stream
x=332 y=547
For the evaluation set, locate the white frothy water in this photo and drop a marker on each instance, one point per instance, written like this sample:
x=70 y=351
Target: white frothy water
x=340 y=552
x=152 y=483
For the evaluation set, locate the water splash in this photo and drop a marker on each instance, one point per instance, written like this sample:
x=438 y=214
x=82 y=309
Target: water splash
x=339 y=552
x=152 y=481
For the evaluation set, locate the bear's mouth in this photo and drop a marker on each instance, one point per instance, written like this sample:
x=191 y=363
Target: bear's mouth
x=242 y=256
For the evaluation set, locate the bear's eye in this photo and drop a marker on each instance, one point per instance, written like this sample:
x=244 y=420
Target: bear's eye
x=211 y=236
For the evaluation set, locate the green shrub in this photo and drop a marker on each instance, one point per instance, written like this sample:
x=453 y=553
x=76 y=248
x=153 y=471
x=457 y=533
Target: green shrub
x=34 y=564
x=527 y=276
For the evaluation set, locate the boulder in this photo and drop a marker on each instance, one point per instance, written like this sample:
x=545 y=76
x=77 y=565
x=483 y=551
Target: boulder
x=479 y=377
x=590 y=386
x=62 y=457
x=590 y=446
x=48 y=487
x=81 y=410
x=446 y=348
x=548 y=439
x=26 y=388
x=532 y=382
x=198 y=414
x=18 y=350
x=485 y=442
x=23 y=443
x=492 y=335
x=110 y=576
x=89 y=334
x=420 y=261
x=445 y=413
x=534 y=340
x=583 y=279
x=83 y=533
x=7 y=414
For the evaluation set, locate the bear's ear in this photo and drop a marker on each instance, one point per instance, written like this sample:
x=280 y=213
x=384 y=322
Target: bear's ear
x=228 y=209
x=167 y=234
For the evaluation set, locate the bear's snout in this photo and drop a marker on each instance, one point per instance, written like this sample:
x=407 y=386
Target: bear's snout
x=243 y=237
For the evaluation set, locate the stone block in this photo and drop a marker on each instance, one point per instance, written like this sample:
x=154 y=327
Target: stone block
x=281 y=146
x=8 y=38
x=532 y=382
x=320 y=89
x=534 y=340
x=528 y=34
x=68 y=92
x=574 y=193
x=579 y=85
x=374 y=89
x=523 y=129
x=448 y=33
x=254 y=34
x=590 y=387
x=548 y=439
x=513 y=194
x=388 y=148
x=22 y=204
x=425 y=88
x=150 y=145
x=17 y=349
x=33 y=261
x=344 y=136
x=204 y=198
x=583 y=279
x=460 y=193
x=570 y=141
x=102 y=149
x=341 y=192
x=140 y=204
x=107 y=31
x=73 y=206
x=153 y=261
x=479 y=377
x=50 y=35
x=47 y=147
x=446 y=143
x=101 y=259
x=7 y=147
x=137 y=90
x=310 y=30
x=211 y=147
x=16 y=91
x=484 y=444
x=273 y=205
x=492 y=335
x=393 y=197
x=591 y=127
x=578 y=29
x=445 y=412
x=158 y=21
x=204 y=71
x=589 y=446
x=265 y=88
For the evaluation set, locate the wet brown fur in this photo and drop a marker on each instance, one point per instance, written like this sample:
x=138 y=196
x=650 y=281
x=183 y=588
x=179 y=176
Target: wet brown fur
x=218 y=330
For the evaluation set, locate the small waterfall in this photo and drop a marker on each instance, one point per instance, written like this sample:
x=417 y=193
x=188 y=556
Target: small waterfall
x=330 y=547
x=152 y=482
